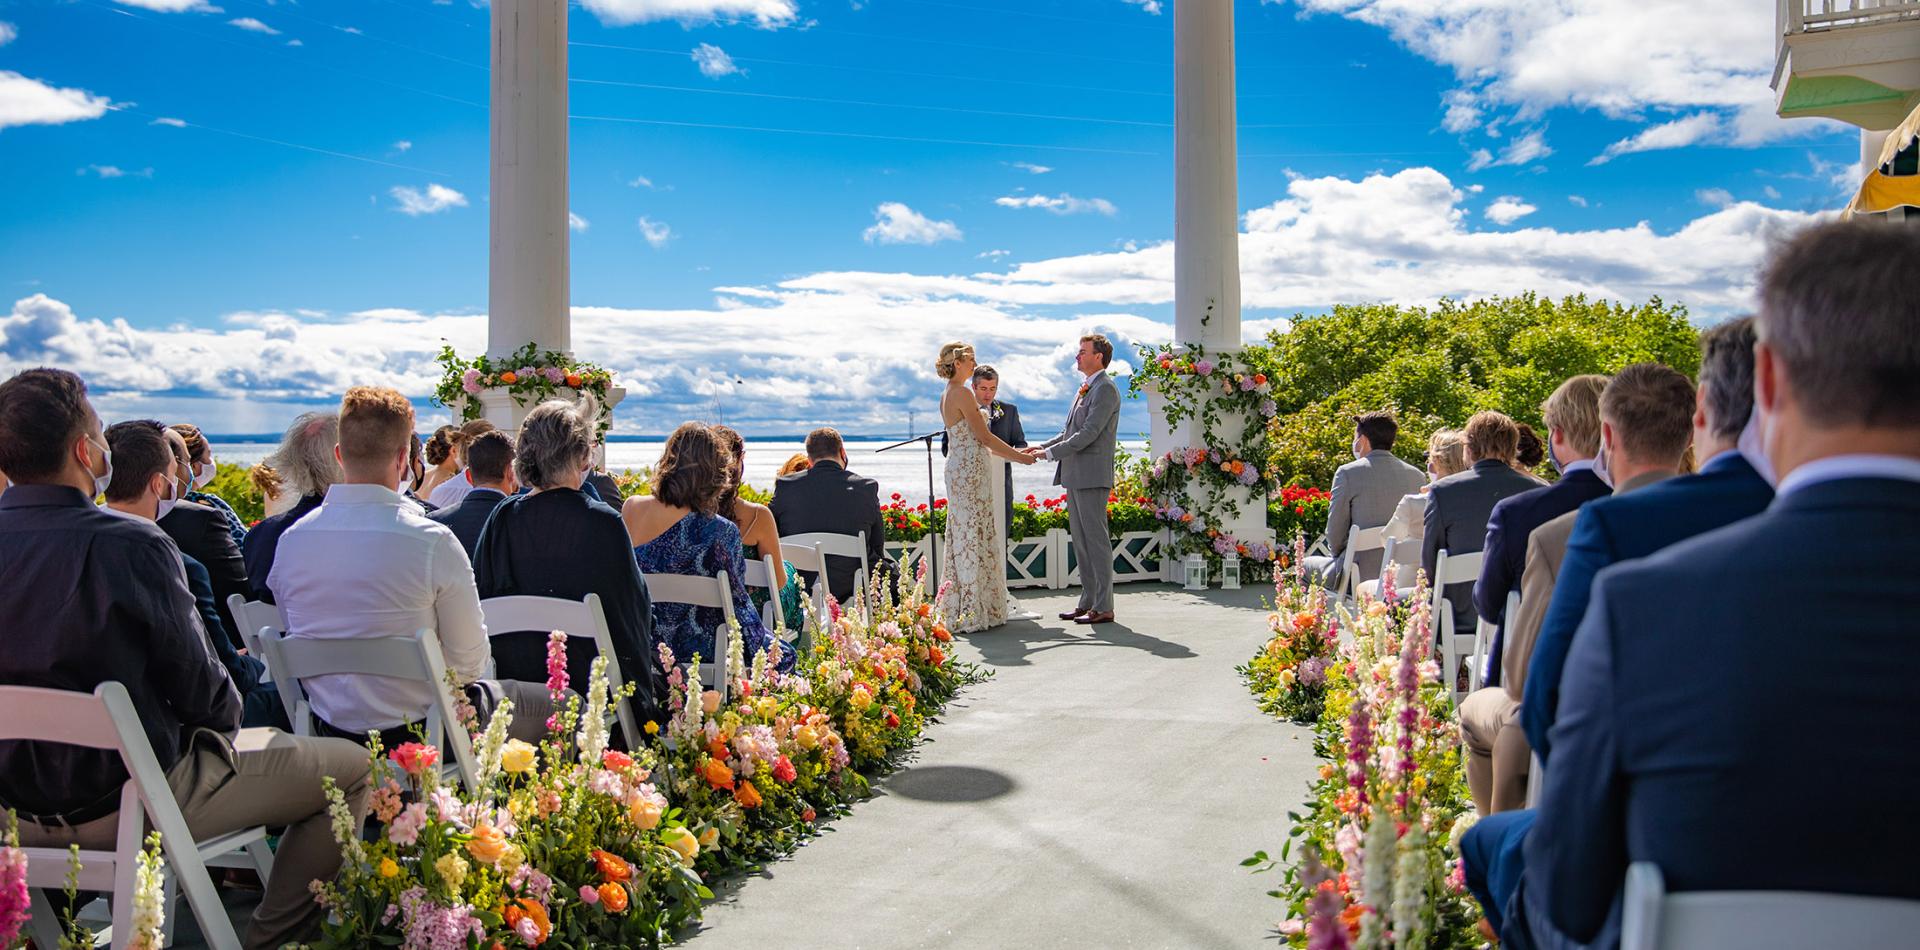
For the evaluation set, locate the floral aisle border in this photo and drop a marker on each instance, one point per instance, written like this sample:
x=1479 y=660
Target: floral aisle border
x=530 y=376
x=148 y=919
x=1373 y=860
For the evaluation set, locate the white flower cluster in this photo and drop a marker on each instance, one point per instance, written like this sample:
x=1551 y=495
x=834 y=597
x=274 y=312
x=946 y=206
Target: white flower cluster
x=487 y=750
x=593 y=722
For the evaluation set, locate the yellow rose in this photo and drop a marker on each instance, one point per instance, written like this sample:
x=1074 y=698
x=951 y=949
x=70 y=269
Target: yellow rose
x=767 y=707
x=651 y=728
x=1377 y=609
x=388 y=868
x=644 y=812
x=682 y=844
x=708 y=836
x=488 y=844
x=452 y=869
x=1286 y=678
x=807 y=736
x=861 y=699
x=516 y=756
x=710 y=701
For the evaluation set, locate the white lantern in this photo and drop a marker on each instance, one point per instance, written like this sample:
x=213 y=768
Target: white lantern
x=1230 y=572
x=1196 y=572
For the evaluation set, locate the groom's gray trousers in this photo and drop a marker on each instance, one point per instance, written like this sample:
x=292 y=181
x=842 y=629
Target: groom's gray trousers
x=1092 y=546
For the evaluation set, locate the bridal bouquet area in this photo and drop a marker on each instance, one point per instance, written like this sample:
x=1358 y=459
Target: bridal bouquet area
x=1372 y=859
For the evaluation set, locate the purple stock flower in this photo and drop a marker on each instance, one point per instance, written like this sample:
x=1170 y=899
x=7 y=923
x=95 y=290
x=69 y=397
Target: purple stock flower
x=1268 y=408
x=1203 y=367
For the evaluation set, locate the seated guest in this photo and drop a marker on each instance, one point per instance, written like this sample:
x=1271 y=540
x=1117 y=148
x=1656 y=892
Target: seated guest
x=679 y=530
x=490 y=461
x=1529 y=452
x=305 y=467
x=759 y=534
x=554 y=541
x=202 y=534
x=1446 y=455
x=367 y=563
x=1459 y=506
x=93 y=596
x=828 y=498
x=146 y=485
x=1675 y=742
x=274 y=498
x=416 y=473
x=201 y=455
x=794 y=465
x=1572 y=415
x=448 y=493
x=1365 y=493
x=442 y=457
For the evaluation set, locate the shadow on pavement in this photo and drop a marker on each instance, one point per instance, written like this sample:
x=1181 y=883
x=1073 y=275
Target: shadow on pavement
x=948 y=783
x=1014 y=643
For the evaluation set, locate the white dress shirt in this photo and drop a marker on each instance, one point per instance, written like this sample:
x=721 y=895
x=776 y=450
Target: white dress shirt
x=1835 y=467
x=367 y=563
x=450 y=492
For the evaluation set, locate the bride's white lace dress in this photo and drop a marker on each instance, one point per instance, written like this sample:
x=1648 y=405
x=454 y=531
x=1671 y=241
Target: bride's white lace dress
x=975 y=564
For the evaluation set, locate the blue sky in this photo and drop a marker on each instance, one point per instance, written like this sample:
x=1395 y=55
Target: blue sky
x=232 y=209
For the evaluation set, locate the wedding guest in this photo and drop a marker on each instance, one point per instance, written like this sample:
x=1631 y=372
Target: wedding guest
x=443 y=459
x=147 y=484
x=1365 y=492
x=304 y=464
x=1572 y=416
x=794 y=465
x=94 y=596
x=1529 y=452
x=1446 y=455
x=1459 y=506
x=679 y=530
x=200 y=454
x=201 y=533
x=273 y=498
x=554 y=541
x=490 y=462
x=367 y=563
x=1837 y=391
x=449 y=492
x=415 y=474
x=759 y=534
x=828 y=498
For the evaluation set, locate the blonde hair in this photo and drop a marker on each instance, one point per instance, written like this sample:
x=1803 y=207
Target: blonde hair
x=1447 y=452
x=375 y=423
x=1574 y=409
x=950 y=355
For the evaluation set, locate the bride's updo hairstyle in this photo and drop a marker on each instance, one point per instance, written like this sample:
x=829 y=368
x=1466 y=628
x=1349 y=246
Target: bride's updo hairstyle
x=950 y=355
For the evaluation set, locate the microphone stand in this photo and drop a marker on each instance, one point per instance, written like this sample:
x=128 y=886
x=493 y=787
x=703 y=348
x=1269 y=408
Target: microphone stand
x=933 y=546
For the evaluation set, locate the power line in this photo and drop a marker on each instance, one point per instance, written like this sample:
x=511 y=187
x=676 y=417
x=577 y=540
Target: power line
x=859 y=102
x=855 y=135
x=182 y=123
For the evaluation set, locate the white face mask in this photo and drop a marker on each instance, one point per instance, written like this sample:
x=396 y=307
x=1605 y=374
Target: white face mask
x=203 y=476
x=173 y=498
x=1753 y=447
x=1601 y=468
x=100 y=481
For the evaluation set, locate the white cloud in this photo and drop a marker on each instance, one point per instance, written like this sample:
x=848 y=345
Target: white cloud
x=295 y=43
x=895 y=223
x=165 y=120
x=171 y=6
x=1150 y=6
x=252 y=25
x=1031 y=168
x=576 y=222
x=1507 y=209
x=115 y=171
x=414 y=202
x=8 y=32
x=1064 y=204
x=402 y=145
x=766 y=14
x=1527 y=148
x=1772 y=193
x=714 y=61
x=1679 y=133
x=640 y=181
x=993 y=255
x=656 y=232
x=1582 y=202
x=26 y=101
x=1714 y=197
x=1463 y=113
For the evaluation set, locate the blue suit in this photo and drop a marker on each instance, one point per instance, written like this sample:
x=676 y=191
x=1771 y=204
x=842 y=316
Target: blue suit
x=259 y=697
x=469 y=517
x=1633 y=525
x=1717 y=690
x=1508 y=528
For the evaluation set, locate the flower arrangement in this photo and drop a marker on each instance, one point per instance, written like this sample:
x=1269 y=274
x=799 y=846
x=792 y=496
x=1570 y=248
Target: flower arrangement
x=1289 y=674
x=1299 y=510
x=529 y=375
x=1032 y=517
x=15 y=901
x=148 y=917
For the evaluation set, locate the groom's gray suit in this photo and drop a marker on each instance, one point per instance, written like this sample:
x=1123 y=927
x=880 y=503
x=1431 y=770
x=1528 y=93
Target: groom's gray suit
x=1084 y=450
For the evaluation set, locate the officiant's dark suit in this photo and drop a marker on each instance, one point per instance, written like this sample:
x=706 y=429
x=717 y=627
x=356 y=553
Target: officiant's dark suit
x=827 y=497
x=1003 y=420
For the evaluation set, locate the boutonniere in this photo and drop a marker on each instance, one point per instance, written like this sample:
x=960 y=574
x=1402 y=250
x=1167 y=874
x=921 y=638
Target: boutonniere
x=995 y=413
x=1083 y=390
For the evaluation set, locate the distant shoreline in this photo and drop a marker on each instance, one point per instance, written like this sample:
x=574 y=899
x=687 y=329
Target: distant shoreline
x=270 y=438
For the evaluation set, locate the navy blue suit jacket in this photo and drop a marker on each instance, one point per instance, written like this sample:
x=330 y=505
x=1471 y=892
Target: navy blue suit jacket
x=1610 y=530
x=263 y=542
x=1717 y=688
x=1508 y=528
x=470 y=516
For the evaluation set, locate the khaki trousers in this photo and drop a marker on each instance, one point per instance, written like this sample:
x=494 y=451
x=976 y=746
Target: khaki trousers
x=1497 y=751
x=259 y=777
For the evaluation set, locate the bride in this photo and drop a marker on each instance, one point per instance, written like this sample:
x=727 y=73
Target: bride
x=976 y=597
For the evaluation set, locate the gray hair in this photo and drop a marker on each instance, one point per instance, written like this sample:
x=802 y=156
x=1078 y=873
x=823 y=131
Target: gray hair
x=304 y=460
x=984 y=371
x=555 y=442
x=1726 y=375
x=1836 y=307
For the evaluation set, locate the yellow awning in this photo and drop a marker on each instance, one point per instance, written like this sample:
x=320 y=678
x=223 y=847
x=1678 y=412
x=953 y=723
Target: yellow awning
x=1898 y=139
x=1880 y=193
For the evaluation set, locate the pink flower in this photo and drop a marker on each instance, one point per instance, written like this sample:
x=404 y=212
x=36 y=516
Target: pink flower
x=589 y=894
x=415 y=758
x=13 y=893
x=1203 y=367
x=405 y=828
x=554 y=375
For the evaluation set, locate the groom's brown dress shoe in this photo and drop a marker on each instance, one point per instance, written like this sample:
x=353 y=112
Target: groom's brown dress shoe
x=1095 y=617
x=1073 y=614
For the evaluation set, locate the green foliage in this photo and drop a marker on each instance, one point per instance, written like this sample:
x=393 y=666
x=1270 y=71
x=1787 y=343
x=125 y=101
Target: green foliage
x=1436 y=366
x=231 y=484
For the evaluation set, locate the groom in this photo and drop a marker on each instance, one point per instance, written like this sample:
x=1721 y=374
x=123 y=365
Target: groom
x=1084 y=450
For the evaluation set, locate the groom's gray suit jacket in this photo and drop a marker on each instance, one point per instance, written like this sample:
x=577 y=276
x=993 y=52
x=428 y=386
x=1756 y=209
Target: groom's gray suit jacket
x=1085 y=447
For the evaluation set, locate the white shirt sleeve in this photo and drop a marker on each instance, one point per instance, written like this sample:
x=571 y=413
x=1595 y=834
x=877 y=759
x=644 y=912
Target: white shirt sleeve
x=456 y=607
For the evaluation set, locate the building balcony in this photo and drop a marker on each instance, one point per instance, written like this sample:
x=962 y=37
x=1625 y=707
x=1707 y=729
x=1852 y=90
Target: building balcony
x=1857 y=61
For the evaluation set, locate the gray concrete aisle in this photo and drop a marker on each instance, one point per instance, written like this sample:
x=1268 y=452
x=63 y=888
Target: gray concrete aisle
x=1099 y=791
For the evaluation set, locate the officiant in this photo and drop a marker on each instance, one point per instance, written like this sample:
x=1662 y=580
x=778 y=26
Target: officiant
x=1003 y=420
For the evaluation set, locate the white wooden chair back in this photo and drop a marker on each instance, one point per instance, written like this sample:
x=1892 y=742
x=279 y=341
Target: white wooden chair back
x=1652 y=919
x=1359 y=539
x=105 y=719
x=1536 y=779
x=415 y=657
x=761 y=574
x=807 y=558
x=253 y=616
x=1454 y=644
x=576 y=618
x=852 y=546
x=697 y=591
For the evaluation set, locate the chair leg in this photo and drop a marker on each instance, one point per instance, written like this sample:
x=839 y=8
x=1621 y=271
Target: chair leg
x=44 y=925
x=169 y=903
x=262 y=856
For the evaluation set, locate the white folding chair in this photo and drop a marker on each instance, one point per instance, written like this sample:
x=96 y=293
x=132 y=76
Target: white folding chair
x=1652 y=919
x=575 y=618
x=807 y=559
x=697 y=591
x=762 y=574
x=1452 y=569
x=1358 y=539
x=417 y=657
x=105 y=719
x=852 y=546
x=1536 y=779
x=253 y=616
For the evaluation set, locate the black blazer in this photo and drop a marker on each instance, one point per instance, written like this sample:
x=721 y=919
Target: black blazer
x=1458 y=509
x=202 y=533
x=1004 y=422
x=829 y=498
x=264 y=541
x=469 y=516
x=1508 y=528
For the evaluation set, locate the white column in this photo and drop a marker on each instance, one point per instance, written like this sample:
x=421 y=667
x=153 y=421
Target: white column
x=1206 y=249
x=527 y=281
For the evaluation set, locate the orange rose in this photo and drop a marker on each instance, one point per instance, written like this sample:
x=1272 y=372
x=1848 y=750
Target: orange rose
x=940 y=633
x=573 y=379
x=1259 y=379
x=509 y=377
x=717 y=774
x=1351 y=917
x=717 y=746
x=612 y=867
x=747 y=795
x=926 y=609
x=613 y=897
x=526 y=908
x=936 y=657
x=488 y=845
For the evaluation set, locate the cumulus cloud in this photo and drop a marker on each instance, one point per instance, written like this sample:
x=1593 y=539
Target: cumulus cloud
x=1679 y=133
x=25 y=101
x=895 y=223
x=766 y=14
x=576 y=222
x=252 y=25
x=1714 y=197
x=413 y=202
x=1031 y=168
x=402 y=146
x=164 y=120
x=1150 y=6
x=656 y=232
x=1064 y=204
x=8 y=32
x=115 y=171
x=714 y=61
x=1527 y=148
x=640 y=181
x=993 y=255
x=1577 y=201
x=171 y=6
x=1507 y=209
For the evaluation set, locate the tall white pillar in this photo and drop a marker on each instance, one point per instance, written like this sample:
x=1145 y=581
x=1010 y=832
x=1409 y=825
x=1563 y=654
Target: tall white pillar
x=1206 y=247
x=527 y=215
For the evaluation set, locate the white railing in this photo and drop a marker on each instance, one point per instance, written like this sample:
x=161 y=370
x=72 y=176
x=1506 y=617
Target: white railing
x=1805 y=16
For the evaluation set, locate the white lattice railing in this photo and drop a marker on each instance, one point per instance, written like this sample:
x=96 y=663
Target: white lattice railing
x=1048 y=560
x=1803 y=16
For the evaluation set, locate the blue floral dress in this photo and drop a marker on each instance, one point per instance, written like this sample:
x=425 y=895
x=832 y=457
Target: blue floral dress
x=703 y=545
x=219 y=504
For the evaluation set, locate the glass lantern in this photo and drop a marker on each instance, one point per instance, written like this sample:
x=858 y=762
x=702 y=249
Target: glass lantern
x=1196 y=572
x=1230 y=572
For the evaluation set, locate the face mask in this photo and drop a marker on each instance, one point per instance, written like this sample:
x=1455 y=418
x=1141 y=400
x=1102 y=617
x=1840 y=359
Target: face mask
x=1553 y=457
x=1355 y=448
x=1601 y=468
x=173 y=498
x=204 y=476
x=100 y=481
x=1753 y=447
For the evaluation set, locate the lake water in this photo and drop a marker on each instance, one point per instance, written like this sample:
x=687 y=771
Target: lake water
x=902 y=470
